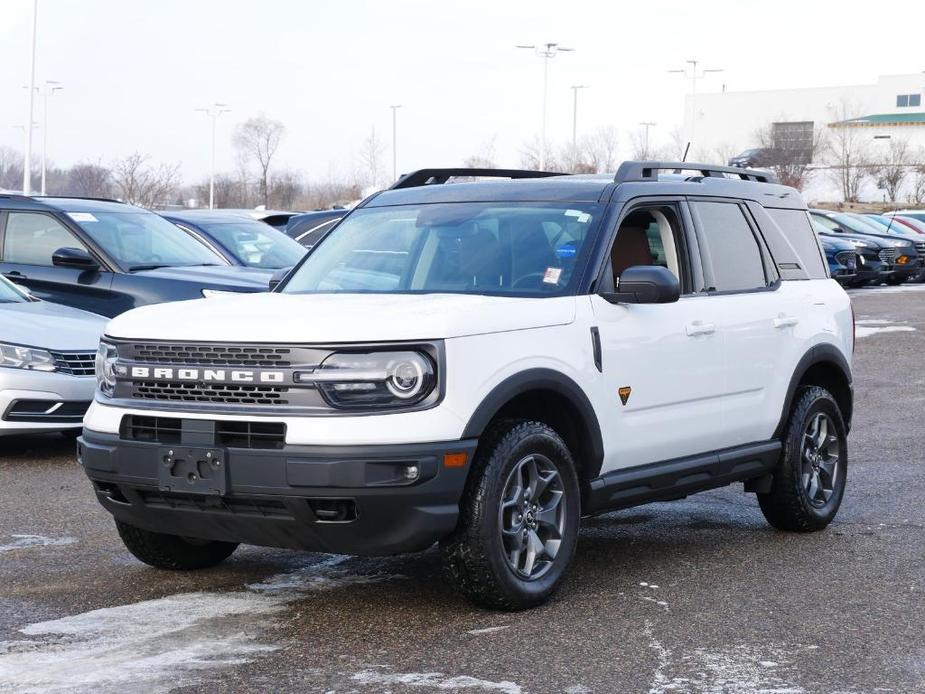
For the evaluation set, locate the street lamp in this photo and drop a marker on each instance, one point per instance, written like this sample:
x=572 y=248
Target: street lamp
x=48 y=89
x=647 y=125
x=213 y=112
x=545 y=51
x=395 y=108
x=27 y=155
x=575 y=88
x=694 y=76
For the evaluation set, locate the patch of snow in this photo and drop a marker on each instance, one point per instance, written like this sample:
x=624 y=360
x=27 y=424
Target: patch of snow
x=158 y=645
x=867 y=331
x=486 y=630
x=434 y=680
x=28 y=541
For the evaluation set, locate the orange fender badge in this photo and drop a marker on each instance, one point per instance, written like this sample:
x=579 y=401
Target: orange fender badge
x=625 y=394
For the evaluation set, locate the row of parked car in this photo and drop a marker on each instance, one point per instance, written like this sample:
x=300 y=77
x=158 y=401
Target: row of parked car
x=873 y=249
x=68 y=264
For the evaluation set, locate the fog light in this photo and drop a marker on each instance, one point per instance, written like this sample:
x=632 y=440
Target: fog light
x=412 y=472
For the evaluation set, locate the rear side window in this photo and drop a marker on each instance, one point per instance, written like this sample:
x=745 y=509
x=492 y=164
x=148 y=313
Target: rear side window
x=31 y=238
x=730 y=246
x=799 y=234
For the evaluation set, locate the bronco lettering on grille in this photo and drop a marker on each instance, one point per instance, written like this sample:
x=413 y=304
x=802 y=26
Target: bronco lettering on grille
x=168 y=373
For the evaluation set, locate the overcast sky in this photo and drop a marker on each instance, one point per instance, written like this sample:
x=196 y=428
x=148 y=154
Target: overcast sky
x=134 y=70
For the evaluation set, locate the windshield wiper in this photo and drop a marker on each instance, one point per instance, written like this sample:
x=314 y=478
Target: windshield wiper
x=149 y=266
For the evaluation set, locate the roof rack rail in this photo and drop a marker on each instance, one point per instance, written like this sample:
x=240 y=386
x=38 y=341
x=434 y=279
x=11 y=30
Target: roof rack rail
x=426 y=177
x=636 y=171
x=74 y=197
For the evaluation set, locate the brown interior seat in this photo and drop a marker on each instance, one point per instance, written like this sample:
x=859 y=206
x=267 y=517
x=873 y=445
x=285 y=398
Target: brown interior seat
x=631 y=247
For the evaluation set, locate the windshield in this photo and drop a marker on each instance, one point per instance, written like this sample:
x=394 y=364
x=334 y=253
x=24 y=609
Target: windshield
x=855 y=225
x=141 y=240
x=9 y=294
x=529 y=249
x=256 y=245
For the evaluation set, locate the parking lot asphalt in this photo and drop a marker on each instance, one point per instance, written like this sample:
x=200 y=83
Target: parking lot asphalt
x=699 y=595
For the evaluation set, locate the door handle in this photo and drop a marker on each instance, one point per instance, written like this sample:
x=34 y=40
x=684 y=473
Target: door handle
x=14 y=275
x=783 y=321
x=700 y=328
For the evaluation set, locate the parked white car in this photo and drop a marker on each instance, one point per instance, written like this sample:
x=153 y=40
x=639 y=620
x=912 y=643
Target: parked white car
x=47 y=354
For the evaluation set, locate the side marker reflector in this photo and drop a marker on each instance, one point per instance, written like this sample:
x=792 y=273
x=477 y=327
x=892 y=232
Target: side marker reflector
x=455 y=459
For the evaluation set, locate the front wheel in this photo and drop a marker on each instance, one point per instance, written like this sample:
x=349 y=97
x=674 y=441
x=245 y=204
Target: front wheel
x=171 y=551
x=894 y=281
x=519 y=518
x=809 y=480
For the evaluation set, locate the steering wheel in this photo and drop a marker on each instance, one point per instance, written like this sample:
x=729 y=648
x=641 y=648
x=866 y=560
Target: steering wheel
x=522 y=282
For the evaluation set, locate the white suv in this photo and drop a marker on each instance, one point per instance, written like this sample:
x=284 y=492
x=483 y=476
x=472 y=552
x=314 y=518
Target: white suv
x=481 y=365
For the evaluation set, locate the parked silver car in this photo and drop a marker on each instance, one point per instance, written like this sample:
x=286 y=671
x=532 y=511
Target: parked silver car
x=47 y=354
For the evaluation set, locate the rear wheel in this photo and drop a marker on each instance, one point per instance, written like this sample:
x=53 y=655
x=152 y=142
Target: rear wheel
x=171 y=551
x=894 y=280
x=809 y=481
x=519 y=518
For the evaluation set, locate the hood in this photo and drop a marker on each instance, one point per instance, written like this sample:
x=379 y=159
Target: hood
x=50 y=326
x=872 y=239
x=218 y=276
x=333 y=318
x=835 y=245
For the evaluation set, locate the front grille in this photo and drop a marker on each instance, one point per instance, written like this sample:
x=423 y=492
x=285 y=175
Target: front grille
x=238 y=506
x=179 y=391
x=48 y=411
x=231 y=434
x=75 y=363
x=165 y=430
x=211 y=355
x=847 y=258
x=888 y=255
x=265 y=435
x=920 y=247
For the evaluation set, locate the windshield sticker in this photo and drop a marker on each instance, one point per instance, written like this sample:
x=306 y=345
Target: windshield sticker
x=552 y=275
x=82 y=217
x=582 y=217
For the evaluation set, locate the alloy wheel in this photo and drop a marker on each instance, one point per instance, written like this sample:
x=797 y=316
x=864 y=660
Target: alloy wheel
x=820 y=457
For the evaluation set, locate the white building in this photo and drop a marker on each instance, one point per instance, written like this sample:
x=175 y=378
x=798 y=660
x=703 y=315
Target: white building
x=726 y=123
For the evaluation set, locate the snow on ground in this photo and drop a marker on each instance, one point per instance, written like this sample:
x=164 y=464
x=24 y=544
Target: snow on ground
x=865 y=327
x=157 y=645
x=433 y=680
x=31 y=541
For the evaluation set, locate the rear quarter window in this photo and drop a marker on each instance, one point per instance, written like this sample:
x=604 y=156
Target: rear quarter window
x=794 y=241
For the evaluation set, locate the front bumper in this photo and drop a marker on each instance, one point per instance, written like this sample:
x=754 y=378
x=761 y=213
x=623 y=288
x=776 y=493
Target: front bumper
x=341 y=499
x=19 y=386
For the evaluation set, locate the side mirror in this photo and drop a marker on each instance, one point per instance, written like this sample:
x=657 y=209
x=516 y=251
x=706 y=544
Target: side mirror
x=645 y=284
x=277 y=277
x=76 y=258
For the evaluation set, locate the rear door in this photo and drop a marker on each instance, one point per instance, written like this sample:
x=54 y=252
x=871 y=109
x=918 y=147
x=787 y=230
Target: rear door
x=753 y=315
x=29 y=239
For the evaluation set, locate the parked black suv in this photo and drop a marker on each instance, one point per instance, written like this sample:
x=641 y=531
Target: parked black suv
x=108 y=257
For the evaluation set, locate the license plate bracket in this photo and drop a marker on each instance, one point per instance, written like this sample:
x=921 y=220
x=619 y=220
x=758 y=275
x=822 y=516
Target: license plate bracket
x=193 y=470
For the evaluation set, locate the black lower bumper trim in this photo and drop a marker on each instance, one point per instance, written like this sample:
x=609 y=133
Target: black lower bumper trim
x=343 y=499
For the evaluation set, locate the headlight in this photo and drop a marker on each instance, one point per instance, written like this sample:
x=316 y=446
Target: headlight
x=106 y=357
x=17 y=357
x=373 y=379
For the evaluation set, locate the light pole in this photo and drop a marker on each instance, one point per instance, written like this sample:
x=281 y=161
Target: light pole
x=48 y=89
x=213 y=112
x=395 y=108
x=647 y=125
x=545 y=51
x=694 y=76
x=27 y=155
x=575 y=88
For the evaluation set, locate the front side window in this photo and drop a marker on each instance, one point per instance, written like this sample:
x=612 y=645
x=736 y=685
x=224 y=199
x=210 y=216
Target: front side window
x=257 y=245
x=142 y=240
x=507 y=249
x=32 y=238
x=730 y=246
x=648 y=236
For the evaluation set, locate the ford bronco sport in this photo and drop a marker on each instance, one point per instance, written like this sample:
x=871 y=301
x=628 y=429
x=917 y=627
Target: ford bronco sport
x=483 y=364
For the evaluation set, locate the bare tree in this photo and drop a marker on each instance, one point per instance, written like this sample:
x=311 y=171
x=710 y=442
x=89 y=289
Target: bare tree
x=599 y=150
x=485 y=159
x=848 y=152
x=89 y=179
x=369 y=161
x=285 y=188
x=227 y=191
x=918 y=183
x=257 y=140
x=10 y=168
x=892 y=171
x=791 y=161
x=138 y=182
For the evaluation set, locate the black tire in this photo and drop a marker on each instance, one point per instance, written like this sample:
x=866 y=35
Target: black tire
x=893 y=280
x=790 y=505
x=171 y=551
x=475 y=555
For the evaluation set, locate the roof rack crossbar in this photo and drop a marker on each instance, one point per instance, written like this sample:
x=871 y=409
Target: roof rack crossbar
x=74 y=197
x=639 y=171
x=425 y=177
